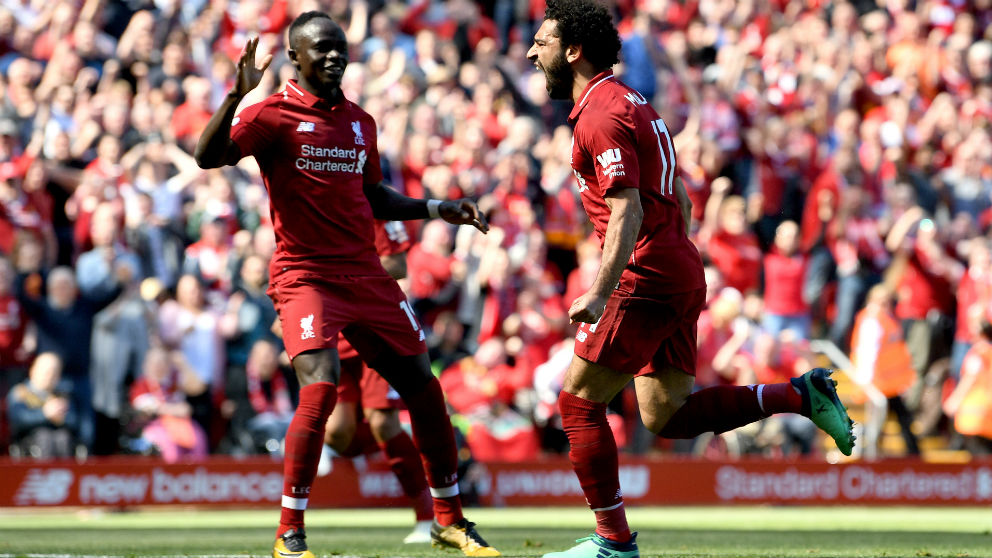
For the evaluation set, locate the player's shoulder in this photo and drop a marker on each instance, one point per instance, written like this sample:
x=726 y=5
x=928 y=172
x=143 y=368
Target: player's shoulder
x=359 y=113
x=262 y=108
x=612 y=100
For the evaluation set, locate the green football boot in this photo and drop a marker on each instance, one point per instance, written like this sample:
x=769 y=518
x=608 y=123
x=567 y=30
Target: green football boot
x=595 y=546
x=823 y=407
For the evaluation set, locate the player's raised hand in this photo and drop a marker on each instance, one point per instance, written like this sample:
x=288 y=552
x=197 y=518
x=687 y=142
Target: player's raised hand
x=249 y=74
x=463 y=212
x=588 y=308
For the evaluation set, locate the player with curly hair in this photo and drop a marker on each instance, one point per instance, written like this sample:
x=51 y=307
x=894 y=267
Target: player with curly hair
x=638 y=320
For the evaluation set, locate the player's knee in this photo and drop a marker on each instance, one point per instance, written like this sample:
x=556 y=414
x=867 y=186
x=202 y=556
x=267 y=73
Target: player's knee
x=317 y=366
x=338 y=437
x=384 y=423
x=657 y=415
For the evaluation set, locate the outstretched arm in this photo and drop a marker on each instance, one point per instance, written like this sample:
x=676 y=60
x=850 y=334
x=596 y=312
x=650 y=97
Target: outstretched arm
x=390 y=205
x=215 y=147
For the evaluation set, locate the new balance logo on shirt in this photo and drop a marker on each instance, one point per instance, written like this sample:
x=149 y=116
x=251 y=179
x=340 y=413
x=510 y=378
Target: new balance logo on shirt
x=306 y=127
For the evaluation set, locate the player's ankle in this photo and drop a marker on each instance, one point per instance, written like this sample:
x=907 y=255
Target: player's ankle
x=283 y=528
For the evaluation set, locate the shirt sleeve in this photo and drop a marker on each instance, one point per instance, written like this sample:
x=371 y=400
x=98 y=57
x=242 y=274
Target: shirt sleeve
x=372 y=172
x=609 y=139
x=254 y=128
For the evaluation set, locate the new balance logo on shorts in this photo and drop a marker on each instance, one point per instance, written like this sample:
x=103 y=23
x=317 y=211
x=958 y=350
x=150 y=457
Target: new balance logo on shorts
x=305 y=127
x=306 y=324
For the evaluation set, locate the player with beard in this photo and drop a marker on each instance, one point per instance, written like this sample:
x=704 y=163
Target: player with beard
x=638 y=320
x=318 y=158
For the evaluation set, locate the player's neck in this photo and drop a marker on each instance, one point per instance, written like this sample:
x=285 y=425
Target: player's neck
x=584 y=73
x=331 y=96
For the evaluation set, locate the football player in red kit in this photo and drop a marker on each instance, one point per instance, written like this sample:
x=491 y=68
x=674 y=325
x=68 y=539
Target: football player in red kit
x=320 y=165
x=366 y=417
x=638 y=320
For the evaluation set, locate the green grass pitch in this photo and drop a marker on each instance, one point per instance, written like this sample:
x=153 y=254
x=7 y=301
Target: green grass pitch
x=683 y=532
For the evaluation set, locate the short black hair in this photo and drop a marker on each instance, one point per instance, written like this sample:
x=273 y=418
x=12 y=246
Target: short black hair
x=587 y=23
x=300 y=21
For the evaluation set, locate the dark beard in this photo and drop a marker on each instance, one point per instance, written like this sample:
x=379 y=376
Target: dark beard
x=559 y=77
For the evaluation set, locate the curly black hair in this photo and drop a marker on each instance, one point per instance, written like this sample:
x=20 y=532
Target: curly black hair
x=587 y=23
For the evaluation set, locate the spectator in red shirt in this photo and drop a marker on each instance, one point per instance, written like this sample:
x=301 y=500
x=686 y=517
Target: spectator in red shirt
x=734 y=248
x=482 y=388
x=721 y=333
x=429 y=271
x=927 y=276
x=778 y=358
x=456 y=20
x=13 y=323
x=859 y=251
x=785 y=270
x=974 y=291
x=191 y=117
x=207 y=258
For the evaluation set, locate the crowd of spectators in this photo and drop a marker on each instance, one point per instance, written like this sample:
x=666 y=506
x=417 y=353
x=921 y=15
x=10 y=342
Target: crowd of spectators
x=828 y=147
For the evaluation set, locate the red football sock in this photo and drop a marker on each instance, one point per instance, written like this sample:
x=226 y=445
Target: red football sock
x=405 y=462
x=779 y=398
x=593 y=453
x=304 y=442
x=722 y=408
x=435 y=440
x=362 y=442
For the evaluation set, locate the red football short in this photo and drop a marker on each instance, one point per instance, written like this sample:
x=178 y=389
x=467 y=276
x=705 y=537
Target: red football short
x=372 y=312
x=361 y=384
x=639 y=335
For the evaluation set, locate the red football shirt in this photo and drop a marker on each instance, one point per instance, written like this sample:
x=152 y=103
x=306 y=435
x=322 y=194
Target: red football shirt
x=621 y=142
x=392 y=237
x=314 y=159
x=738 y=257
x=975 y=288
x=784 y=277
